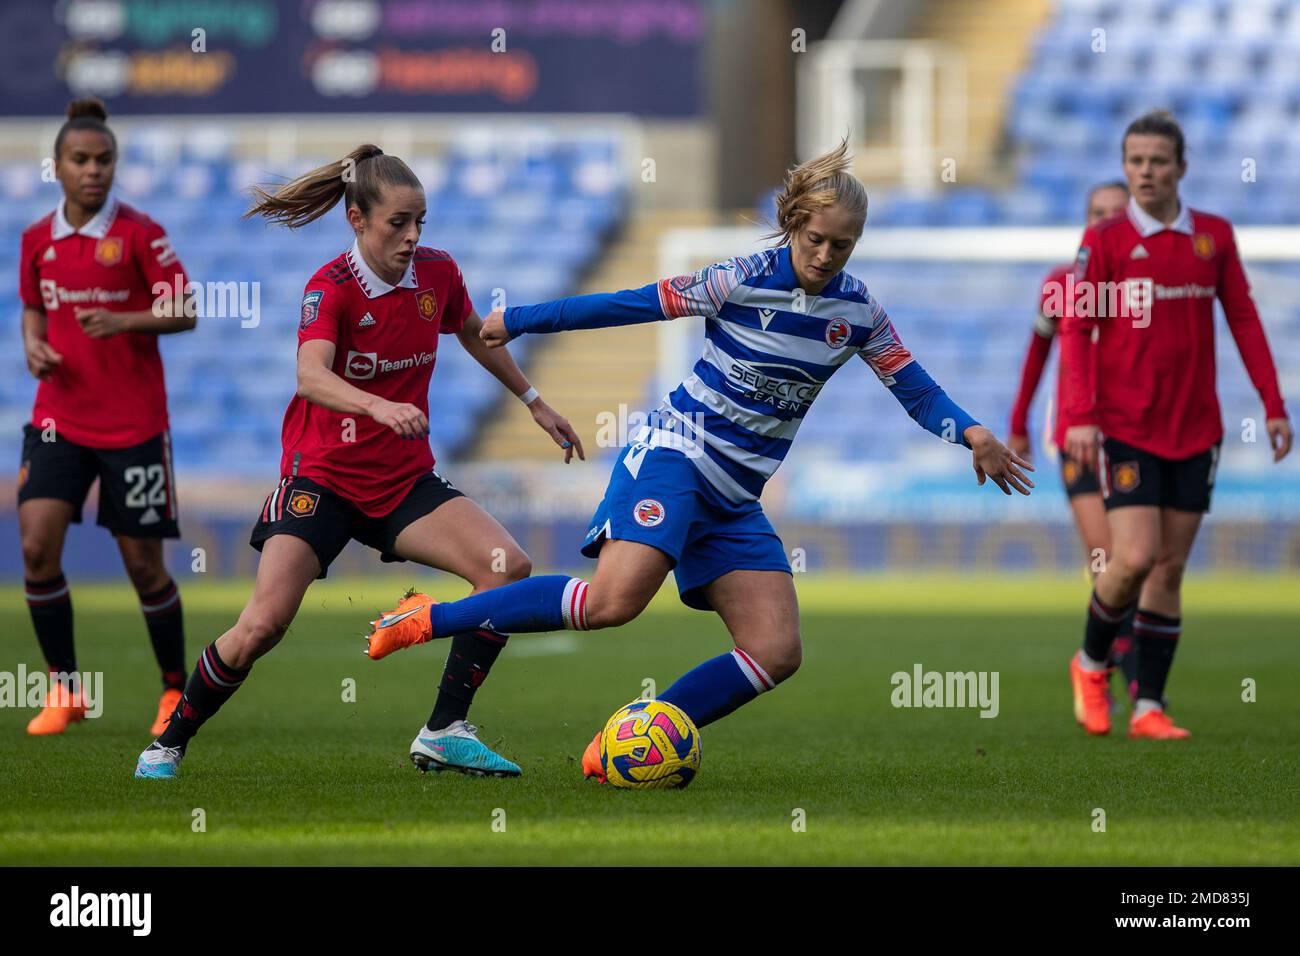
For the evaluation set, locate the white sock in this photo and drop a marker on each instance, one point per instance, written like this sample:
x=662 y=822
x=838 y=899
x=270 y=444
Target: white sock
x=1144 y=706
x=1088 y=664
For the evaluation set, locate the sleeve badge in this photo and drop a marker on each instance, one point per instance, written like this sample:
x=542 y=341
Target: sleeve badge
x=310 y=307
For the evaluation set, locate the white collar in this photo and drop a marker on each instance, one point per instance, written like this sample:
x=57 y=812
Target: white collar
x=371 y=284
x=97 y=228
x=1148 y=225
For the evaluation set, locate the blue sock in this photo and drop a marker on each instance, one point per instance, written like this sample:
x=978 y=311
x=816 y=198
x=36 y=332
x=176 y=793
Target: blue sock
x=717 y=687
x=549 y=602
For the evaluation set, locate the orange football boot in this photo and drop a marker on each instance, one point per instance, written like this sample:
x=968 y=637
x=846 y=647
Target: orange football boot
x=407 y=625
x=1091 y=706
x=1156 y=725
x=62 y=707
x=591 y=760
x=166 y=704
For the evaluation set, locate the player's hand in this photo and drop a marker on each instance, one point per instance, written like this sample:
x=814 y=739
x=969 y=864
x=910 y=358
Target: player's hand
x=1279 y=437
x=494 y=334
x=992 y=459
x=1020 y=445
x=558 y=427
x=100 y=323
x=406 y=420
x=1081 y=444
x=41 y=357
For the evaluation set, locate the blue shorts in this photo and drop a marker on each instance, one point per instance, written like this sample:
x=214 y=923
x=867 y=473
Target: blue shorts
x=657 y=497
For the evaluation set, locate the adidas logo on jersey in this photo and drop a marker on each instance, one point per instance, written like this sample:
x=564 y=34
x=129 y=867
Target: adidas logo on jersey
x=1139 y=252
x=49 y=254
x=368 y=319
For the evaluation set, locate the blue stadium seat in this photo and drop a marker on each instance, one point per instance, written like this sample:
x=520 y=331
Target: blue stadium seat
x=1229 y=71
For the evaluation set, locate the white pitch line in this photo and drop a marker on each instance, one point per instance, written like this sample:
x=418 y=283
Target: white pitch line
x=524 y=645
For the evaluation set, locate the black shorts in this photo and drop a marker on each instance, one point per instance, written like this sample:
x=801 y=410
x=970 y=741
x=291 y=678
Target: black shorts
x=1131 y=476
x=137 y=487
x=1077 y=479
x=327 y=522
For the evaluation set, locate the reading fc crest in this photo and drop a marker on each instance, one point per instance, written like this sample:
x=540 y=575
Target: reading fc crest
x=648 y=512
x=837 y=333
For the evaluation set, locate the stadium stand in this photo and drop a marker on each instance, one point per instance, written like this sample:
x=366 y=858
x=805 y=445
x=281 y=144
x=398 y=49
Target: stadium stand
x=1230 y=72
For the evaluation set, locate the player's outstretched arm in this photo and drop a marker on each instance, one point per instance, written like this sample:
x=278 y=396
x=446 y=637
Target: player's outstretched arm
x=931 y=408
x=597 y=311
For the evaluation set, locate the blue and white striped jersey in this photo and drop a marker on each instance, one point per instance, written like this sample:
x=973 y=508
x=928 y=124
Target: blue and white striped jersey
x=769 y=348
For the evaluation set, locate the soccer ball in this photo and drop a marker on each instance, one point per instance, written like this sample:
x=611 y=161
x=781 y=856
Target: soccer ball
x=649 y=745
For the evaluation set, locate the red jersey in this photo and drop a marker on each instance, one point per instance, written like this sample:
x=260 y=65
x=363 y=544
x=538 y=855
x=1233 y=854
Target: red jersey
x=386 y=342
x=107 y=393
x=1150 y=381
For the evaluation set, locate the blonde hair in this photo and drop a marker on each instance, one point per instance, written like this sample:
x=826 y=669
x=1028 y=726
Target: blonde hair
x=359 y=178
x=819 y=183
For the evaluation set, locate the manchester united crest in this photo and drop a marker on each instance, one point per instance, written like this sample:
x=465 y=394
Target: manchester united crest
x=1125 y=475
x=428 y=304
x=302 y=504
x=1070 y=472
x=1203 y=245
x=108 y=251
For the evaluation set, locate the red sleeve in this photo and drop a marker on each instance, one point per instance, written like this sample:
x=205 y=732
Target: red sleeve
x=1247 y=330
x=29 y=282
x=1035 y=359
x=1078 y=358
x=322 y=306
x=156 y=258
x=459 y=306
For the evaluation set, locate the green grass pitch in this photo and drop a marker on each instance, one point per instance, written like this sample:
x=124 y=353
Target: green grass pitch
x=290 y=773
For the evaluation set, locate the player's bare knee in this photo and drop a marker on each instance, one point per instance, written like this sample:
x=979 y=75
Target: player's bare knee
x=1132 y=565
x=259 y=631
x=40 y=560
x=518 y=566
x=791 y=660
x=781 y=658
x=146 y=576
x=506 y=566
x=1168 y=575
